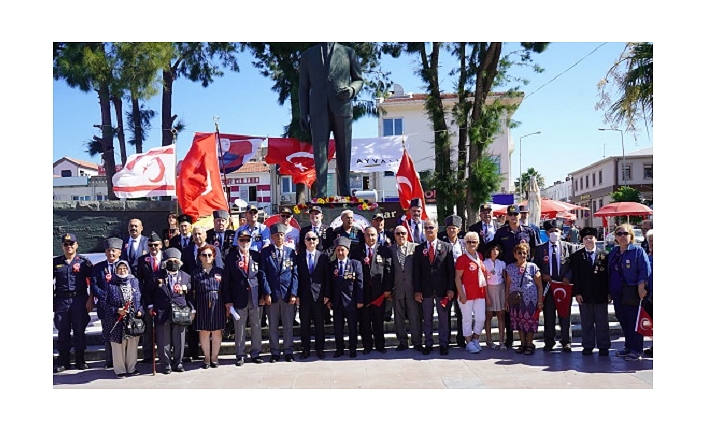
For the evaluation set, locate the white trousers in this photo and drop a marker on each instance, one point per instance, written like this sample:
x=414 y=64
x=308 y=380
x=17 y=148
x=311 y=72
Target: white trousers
x=473 y=313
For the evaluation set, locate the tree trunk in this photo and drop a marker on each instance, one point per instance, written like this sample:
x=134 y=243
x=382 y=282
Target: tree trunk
x=107 y=137
x=137 y=126
x=118 y=105
x=168 y=76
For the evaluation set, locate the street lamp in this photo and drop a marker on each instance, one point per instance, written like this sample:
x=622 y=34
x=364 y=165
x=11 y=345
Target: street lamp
x=529 y=134
x=622 y=144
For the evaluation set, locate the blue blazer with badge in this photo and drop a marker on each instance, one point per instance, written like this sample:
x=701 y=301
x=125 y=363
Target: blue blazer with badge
x=282 y=277
x=236 y=286
x=345 y=289
x=437 y=277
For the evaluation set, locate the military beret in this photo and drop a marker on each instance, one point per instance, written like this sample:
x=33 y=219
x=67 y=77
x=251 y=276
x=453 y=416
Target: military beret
x=221 y=214
x=343 y=242
x=69 y=237
x=453 y=220
x=315 y=208
x=278 y=228
x=416 y=202
x=113 y=243
x=251 y=208
x=185 y=218
x=486 y=207
x=589 y=231
x=154 y=238
x=552 y=224
x=171 y=253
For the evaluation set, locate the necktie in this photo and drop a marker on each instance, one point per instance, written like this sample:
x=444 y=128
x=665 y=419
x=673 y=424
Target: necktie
x=416 y=233
x=590 y=255
x=279 y=255
x=401 y=257
x=370 y=255
x=131 y=249
x=340 y=268
x=154 y=264
x=431 y=252
x=311 y=263
x=246 y=262
x=555 y=269
x=220 y=239
x=184 y=242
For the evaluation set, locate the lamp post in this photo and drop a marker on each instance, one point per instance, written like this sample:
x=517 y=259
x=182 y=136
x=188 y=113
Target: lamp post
x=524 y=136
x=622 y=145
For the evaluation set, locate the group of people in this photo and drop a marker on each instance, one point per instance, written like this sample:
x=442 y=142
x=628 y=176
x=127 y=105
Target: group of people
x=359 y=276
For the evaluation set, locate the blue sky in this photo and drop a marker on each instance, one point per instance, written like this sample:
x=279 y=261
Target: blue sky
x=558 y=102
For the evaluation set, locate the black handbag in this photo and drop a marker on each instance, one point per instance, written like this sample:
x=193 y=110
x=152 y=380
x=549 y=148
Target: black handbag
x=181 y=315
x=630 y=295
x=134 y=326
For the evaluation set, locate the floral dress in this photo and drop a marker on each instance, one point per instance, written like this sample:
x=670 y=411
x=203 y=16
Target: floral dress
x=524 y=316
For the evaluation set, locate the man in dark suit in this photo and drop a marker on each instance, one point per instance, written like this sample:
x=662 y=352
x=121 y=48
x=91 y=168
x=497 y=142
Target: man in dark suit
x=323 y=231
x=346 y=230
x=344 y=285
x=281 y=290
x=147 y=267
x=434 y=285
x=377 y=288
x=219 y=236
x=181 y=241
x=552 y=258
x=485 y=228
x=244 y=286
x=189 y=254
x=415 y=224
x=329 y=78
x=135 y=245
x=311 y=265
x=589 y=275
x=454 y=236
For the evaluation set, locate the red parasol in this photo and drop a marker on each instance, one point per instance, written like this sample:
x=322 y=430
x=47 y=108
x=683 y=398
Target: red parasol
x=549 y=208
x=614 y=209
x=275 y=219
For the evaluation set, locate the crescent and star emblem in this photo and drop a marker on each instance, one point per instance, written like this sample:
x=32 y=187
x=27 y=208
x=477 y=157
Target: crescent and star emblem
x=299 y=154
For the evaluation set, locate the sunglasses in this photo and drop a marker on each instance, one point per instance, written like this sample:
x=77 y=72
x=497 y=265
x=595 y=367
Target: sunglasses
x=244 y=240
x=153 y=245
x=206 y=255
x=621 y=233
x=400 y=233
x=285 y=215
x=69 y=244
x=310 y=239
x=513 y=214
x=429 y=227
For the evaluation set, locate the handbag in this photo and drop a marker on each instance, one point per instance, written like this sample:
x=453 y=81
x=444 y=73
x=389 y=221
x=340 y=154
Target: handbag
x=514 y=297
x=630 y=295
x=181 y=315
x=134 y=326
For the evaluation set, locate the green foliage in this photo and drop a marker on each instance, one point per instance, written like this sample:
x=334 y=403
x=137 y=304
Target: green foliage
x=626 y=194
x=531 y=172
x=483 y=180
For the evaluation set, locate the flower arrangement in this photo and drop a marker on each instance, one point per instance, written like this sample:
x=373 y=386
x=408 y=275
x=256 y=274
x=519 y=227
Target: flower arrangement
x=363 y=205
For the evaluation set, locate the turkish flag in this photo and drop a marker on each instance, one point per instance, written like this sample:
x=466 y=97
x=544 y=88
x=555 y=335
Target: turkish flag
x=295 y=158
x=378 y=302
x=562 y=297
x=644 y=322
x=199 y=189
x=408 y=184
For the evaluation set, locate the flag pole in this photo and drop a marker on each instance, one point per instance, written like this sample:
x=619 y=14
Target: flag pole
x=220 y=160
x=174 y=139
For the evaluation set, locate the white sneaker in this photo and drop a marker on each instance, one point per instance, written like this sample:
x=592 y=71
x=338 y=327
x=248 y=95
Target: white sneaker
x=477 y=343
x=503 y=346
x=473 y=347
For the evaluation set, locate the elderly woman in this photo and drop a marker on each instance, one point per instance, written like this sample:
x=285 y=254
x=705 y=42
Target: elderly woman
x=471 y=280
x=628 y=271
x=495 y=295
x=169 y=286
x=524 y=277
x=122 y=300
x=210 y=314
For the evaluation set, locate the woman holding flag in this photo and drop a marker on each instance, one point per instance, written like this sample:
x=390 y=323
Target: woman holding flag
x=122 y=298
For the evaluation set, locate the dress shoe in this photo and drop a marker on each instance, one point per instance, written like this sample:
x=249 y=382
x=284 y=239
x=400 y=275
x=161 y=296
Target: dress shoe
x=187 y=359
x=108 y=366
x=134 y=373
x=304 y=355
x=81 y=366
x=296 y=323
x=418 y=347
x=274 y=359
x=146 y=361
x=566 y=348
x=647 y=353
x=320 y=354
x=205 y=366
x=444 y=351
x=366 y=351
x=240 y=361
x=214 y=364
x=167 y=370
x=256 y=360
x=353 y=354
x=548 y=347
x=179 y=368
x=603 y=352
x=587 y=352
x=381 y=349
x=338 y=354
x=427 y=350
x=401 y=347
x=121 y=375
x=289 y=358
x=461 y=343
x=59 y=369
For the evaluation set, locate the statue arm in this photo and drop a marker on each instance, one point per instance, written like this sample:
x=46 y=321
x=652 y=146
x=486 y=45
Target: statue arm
x=356 y=73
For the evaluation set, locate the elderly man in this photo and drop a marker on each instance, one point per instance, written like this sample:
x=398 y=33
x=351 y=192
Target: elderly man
x=454 y=236
x=291 y=234
x=147 y=268
x=181 y=241
x=259 y=233
x=485 y=228
x=321 y=230
x=407 y=310
x=219 y=236
x=101 y=274
x=135 y=244
x=348 y=230
x=434 y=285
x=415 y=224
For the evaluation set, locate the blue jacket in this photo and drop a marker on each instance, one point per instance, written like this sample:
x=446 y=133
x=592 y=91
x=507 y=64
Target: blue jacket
x=634 y=264
x=282 y=277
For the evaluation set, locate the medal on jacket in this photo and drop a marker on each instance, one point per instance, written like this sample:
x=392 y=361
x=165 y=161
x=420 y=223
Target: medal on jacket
x=217 y=277
x=627 y=263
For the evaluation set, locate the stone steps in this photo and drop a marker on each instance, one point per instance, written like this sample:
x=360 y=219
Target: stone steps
x=95 y=348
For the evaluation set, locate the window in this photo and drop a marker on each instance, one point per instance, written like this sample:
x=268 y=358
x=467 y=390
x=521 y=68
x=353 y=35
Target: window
x=252 y=194
x=389 y=174
x=496 y=160
x=647 y=171
x=392 y=126
x=600 y=178
x=287 y=185
x=593 y=179
x=581 y=179
x=627 y=172
x=65 y=173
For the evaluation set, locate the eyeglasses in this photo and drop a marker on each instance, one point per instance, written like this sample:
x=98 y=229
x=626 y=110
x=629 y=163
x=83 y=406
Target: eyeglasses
x=285 y=215
x=244 y=240
x=429 y=227
x=69 y=244
x=400 y=233
x=206 y=255
x=513 y=214
x=153 y=245
x=310 y=238
x=621 y=233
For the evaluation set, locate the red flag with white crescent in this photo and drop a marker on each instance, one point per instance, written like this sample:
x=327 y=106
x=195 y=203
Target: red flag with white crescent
x=295 y=158
x=409 y=185
x=644 y=322
x=562 y=297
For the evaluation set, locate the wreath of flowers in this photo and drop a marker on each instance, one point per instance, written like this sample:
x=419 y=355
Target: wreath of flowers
x=363 y=205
